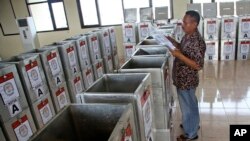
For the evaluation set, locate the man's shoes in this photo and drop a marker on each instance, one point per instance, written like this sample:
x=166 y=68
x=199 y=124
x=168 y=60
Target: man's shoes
x=182 y=126
x=184 y=138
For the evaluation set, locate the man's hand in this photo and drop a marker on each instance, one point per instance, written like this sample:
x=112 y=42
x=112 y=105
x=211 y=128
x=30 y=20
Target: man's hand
x=173 y=41
x=177 y=53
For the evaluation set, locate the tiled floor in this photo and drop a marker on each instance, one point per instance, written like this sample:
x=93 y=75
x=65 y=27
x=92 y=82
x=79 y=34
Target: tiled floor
x=224 y=99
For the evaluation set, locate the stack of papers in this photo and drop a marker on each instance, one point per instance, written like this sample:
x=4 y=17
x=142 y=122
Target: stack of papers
x=162 y=40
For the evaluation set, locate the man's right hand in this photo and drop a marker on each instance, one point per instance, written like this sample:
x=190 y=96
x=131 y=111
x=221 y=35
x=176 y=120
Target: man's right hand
x=173 y=41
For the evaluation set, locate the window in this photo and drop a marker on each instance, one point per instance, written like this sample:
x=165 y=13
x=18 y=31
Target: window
x=202 y=1
x=111 y=12
x=218 y=5
x=159 y=3
x=136 y=4
x=48 y=15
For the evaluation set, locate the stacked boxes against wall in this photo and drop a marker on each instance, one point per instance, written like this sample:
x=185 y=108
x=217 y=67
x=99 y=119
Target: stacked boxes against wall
x=70 y=65
x=211 y=31
x=16 y=119
x=95 y=54
x=243 y=12
x=84 y=59
x=114 y=48
x=54 y=73
x=228 y=38
x=145 y=26
x=36 y=88
x=129 y=29
x=105 y=47
x=228 y=31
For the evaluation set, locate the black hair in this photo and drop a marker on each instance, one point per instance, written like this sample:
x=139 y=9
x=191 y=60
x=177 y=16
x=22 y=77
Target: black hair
x=195 y=15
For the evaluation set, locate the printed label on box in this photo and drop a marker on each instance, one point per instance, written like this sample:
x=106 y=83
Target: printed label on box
x=22 y=129
x=129 y=31
x=53 y=64
x=45 y=111
x=83 y=49
x=112 y=35
x=89 y=77
x=58 y=80
x=144 y=31
x=244 y=47
x=210 y=49
x=110 y=63
x=228 y=47
x=147 y=112
x=78 y=85
x=39 y=91
x=34 y=74
x=95 y=45
x=72 y=59
x=211 y=27
x=8 y=88
x=129 y=50
x=14 y=108
x=127 y=134
x=229 y=25
x=99 y=69
x=245 y=25
x=61 y=97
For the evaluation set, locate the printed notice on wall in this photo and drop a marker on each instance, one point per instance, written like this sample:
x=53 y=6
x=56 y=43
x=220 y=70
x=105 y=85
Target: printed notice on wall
x=53 y=64
x=45 y=111
x=8 y=88
x=34 y=74
x=22 y=129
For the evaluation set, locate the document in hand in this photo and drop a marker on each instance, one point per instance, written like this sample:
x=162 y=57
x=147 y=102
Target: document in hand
x=162 y=40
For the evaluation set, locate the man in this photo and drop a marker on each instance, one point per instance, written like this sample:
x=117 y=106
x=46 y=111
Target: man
x=189 y=59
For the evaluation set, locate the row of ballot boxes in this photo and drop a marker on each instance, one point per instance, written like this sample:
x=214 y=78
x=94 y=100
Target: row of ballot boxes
x=38 y=84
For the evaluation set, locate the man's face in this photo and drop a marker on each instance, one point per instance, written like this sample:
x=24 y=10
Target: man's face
x=189 y=24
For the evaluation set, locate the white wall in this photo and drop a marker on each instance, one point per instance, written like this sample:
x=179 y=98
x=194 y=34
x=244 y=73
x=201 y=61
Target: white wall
x=11 y=45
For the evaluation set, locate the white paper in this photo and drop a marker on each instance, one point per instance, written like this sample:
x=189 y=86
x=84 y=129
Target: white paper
x=95 y=46
x=129 y=51
x=245 y=26
x=9 y=91
x=62 y=99
x=78 y=86
x=23 y=131
x=83 y=51
x=129 y=32
x=46 y=113
x=211 y=29
x=35 y=77
x=144 y=32
x=228 y=48
x=210 y=49
x=162 y=40
x=229 y=26
x=147 y=113
x=244 y=48
x=72 y=59
x=54 y=66
x=14 y=108
x=90 y=79
x=99 y=72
